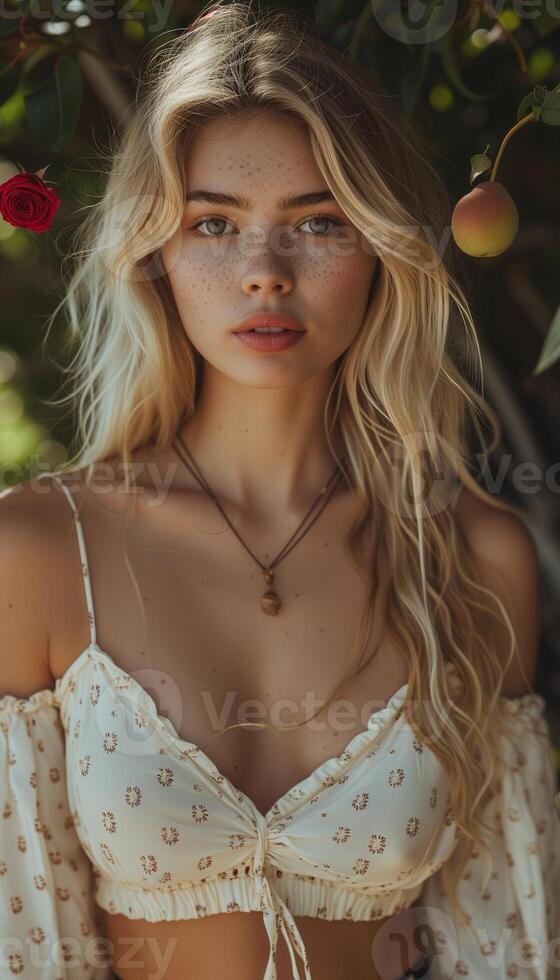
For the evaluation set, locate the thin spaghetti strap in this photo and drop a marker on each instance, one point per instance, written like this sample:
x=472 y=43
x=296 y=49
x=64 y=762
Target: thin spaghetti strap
x=83 y=558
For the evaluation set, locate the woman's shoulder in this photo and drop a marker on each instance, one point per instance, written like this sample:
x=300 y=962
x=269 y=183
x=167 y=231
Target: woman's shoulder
x=507 y=561
x=497 y=536
x=31 y=513
x=28 y=558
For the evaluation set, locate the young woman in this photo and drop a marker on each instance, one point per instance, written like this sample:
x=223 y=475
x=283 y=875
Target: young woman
x=300 y=738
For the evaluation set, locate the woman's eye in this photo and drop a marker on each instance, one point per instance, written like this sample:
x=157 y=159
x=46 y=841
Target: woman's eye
x=322 y=217
x=314 y=217
x=206 y=221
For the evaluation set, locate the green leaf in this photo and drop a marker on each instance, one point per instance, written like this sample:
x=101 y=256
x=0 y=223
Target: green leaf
x=52 y=111
x=37 y=68
x=525 y=106
x=551 y=347
x=480 y=163
x=539 y=94
x=551 y=109
x=9 y=79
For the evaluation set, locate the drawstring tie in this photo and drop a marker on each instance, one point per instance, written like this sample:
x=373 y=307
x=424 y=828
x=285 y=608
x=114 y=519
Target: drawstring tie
x=276 y=914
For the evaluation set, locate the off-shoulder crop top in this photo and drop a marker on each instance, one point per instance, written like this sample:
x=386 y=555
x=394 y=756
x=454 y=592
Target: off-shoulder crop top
x=170 y=837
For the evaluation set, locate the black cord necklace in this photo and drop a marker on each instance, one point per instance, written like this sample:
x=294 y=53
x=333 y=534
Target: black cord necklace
x=271 y=604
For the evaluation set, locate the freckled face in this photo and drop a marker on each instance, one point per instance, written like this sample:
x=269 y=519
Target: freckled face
x=308 y=261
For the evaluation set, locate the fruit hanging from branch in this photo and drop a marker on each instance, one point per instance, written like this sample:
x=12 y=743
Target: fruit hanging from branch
x=485 y=221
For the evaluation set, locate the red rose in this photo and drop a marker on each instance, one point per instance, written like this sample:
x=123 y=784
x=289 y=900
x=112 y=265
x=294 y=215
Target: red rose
x=26 y=202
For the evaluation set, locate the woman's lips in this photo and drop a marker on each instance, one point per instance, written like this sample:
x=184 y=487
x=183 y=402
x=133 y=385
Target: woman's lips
x=270 y=341
x=268 y=318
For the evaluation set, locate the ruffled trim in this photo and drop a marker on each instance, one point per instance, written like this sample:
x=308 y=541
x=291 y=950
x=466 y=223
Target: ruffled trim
x=309 y=786
x=378 y=723
x=320 y=899
x=525 y=717
x=182 y=901
x=325 y=774
x=10 y=704
x=531 y=704
x=303 y=896
x=67 y=682
x=312 y=785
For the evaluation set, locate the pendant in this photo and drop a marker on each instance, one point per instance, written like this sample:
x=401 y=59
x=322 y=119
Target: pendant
x=271 y=603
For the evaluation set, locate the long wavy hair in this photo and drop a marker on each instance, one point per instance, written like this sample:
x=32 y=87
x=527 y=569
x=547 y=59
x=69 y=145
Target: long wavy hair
x=407 y=391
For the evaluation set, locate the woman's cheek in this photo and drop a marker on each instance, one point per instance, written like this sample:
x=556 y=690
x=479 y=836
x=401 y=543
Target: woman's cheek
x=174 y=257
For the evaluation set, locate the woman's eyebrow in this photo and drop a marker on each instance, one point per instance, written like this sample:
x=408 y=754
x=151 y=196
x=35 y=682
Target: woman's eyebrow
x=243 y=204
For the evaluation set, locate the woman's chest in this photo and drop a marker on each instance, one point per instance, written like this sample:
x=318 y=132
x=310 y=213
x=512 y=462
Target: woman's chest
x=155 y=808
x=178 y=607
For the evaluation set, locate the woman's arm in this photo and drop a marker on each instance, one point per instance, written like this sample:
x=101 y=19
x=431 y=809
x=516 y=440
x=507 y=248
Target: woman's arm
x=48 y=928
x=508 y=564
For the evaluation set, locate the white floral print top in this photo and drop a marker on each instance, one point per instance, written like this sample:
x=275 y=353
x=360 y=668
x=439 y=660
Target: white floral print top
x=104 y=804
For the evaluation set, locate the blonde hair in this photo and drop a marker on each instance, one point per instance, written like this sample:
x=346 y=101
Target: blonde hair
x=402 y=389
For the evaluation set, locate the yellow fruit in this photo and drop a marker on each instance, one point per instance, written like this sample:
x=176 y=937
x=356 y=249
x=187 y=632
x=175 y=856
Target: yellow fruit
x=485 y=222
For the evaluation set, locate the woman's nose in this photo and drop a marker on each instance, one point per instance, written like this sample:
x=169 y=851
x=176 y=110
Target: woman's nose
x=267 y=281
